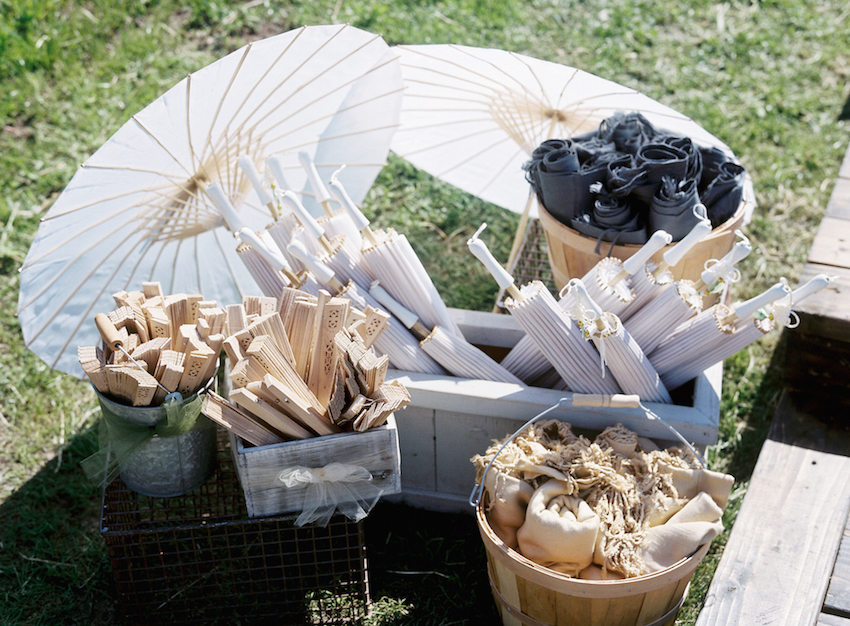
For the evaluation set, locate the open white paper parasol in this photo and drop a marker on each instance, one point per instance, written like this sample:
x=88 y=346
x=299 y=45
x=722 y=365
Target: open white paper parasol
x=473 y=116
x=557 y=338
x=136 y=211
x=619 y=351
x=714 y=335
x=453 y=352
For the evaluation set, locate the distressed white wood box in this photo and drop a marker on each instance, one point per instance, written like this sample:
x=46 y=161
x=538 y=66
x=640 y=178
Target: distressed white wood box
x=258 y=465
x=451 y=419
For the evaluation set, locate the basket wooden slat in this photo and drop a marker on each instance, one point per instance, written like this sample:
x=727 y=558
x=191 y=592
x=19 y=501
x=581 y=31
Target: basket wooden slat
x=529 y=594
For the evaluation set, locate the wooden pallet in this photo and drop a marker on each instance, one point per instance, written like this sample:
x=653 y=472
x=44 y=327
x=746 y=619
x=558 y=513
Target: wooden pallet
x=787 y=561
x=787 y=558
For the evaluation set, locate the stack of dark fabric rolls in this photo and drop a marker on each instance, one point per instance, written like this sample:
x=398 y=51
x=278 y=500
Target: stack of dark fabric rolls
x=627 y=179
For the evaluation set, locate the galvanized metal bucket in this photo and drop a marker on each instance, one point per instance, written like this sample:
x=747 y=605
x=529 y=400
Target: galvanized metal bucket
x=165 y=467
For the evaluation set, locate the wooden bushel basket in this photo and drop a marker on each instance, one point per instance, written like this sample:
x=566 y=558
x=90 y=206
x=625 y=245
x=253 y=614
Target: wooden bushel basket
x=532 y=595
x=572 y=254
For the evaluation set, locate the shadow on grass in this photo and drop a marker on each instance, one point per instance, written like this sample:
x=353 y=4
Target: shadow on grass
x=434 y=562
x=423 y=567
x=53 y=564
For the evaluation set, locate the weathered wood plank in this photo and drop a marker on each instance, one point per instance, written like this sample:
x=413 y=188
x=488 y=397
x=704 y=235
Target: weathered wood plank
x=831 y=245
x=776 y=566
x=826 y=619
x=839 y=201
x=838 y=593
x=827 y=312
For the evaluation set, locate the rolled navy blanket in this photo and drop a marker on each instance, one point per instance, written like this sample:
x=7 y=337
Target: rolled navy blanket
x=672 y=207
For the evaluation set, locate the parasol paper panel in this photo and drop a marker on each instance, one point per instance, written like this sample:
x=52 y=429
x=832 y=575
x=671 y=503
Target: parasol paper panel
x=136 y=210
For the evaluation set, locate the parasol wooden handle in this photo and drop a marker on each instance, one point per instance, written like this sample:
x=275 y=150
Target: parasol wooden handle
x=107 y=331
x=616 y=400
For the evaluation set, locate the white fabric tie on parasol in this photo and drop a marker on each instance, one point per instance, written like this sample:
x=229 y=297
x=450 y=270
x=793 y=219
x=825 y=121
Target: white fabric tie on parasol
x=607 y=282
x=712 y=336
x=616 y=284
x=619 y=351
x=683 y=300
x=655 y=278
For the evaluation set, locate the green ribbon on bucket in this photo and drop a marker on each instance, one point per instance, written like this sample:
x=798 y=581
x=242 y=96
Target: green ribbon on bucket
x=120 y=437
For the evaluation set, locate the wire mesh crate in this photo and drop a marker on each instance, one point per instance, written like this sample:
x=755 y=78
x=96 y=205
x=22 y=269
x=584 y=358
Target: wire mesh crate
x=199 y=559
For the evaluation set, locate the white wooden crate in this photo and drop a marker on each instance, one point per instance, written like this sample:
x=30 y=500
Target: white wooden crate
x=451 y=419
x=255 y=464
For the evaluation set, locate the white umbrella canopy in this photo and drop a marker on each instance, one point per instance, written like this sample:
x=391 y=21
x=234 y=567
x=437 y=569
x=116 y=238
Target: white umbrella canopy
x=472 y=116
x=136 y=210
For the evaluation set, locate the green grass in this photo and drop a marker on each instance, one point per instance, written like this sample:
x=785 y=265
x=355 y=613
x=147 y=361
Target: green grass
x=770 y=78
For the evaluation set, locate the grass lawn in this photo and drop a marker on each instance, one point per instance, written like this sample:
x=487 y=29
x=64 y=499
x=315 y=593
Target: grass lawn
x=769 y=78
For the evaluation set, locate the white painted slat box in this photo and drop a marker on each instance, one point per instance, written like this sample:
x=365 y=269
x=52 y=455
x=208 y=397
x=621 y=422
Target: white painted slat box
x=257 y=466
x=451 y=419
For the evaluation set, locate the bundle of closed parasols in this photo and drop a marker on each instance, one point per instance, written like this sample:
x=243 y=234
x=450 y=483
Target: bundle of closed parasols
x=627 y=326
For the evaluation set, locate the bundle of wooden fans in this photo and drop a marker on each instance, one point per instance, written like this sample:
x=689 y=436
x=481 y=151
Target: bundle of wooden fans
x=176 y=338
x=302 y=366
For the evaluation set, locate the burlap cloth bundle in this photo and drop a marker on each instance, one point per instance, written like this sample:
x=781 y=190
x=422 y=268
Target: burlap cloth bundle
x=614 y=507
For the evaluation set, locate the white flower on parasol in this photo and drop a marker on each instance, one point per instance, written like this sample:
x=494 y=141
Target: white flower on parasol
x=714 y=335
x=654 y=278
x=683 y=299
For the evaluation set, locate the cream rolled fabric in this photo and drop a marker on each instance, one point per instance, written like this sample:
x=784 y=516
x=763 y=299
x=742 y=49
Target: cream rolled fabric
x=560 y=529
x=691 y=482
x=697 y=523
x=509 y=497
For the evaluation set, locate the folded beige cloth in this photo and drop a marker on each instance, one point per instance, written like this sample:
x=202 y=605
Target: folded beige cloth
x=566 y=502
x=508 y=500
x=595 y=572
x=697 y=523
x=689 y=482
x=560 y=529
